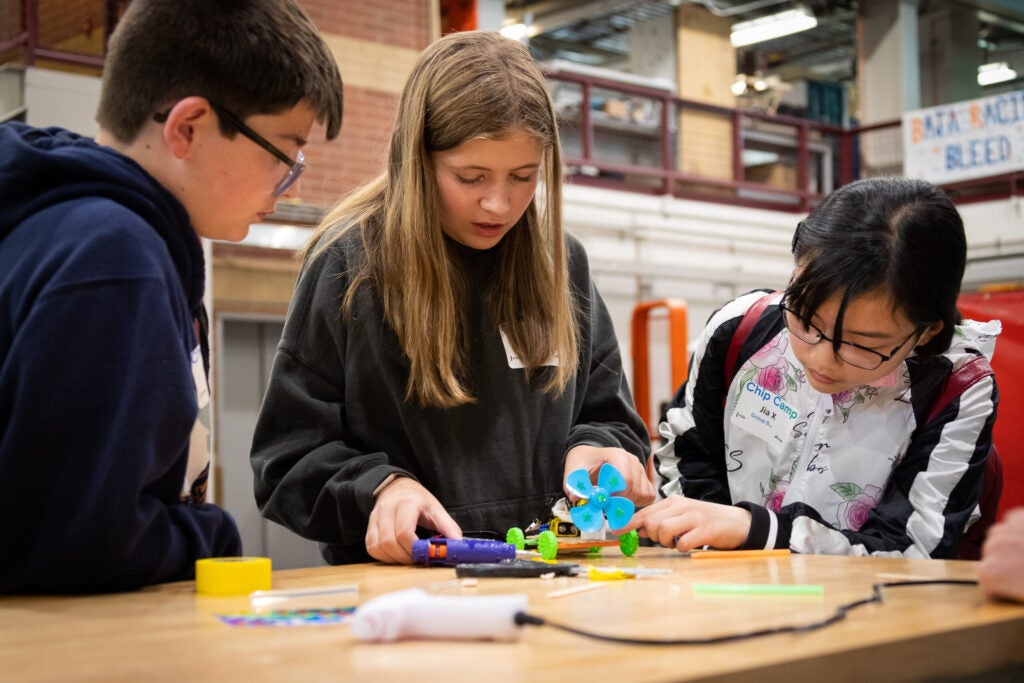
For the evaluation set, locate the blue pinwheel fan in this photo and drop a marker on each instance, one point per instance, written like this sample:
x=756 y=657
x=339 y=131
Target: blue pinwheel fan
x=590 y=516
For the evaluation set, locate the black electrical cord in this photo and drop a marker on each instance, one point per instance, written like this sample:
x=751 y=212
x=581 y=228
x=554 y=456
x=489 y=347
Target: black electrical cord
x=524 y=619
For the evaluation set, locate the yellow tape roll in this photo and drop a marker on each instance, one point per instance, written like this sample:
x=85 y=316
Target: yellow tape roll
x=232 y=575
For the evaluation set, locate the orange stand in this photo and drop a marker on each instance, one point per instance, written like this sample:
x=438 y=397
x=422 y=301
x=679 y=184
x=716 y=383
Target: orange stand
x=640 y=339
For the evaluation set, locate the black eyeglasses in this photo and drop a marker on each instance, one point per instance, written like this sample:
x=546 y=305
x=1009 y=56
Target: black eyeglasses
x=854 y=354
x=295 y=168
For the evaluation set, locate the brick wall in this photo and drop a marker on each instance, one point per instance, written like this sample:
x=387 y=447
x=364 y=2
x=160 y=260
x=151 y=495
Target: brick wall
x=401 y=23
x=375 y=45
x=706 y=62
x=357 y=154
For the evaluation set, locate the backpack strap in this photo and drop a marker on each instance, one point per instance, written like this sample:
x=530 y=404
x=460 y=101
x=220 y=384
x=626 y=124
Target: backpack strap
x=750 y=318
x=965 y=376
x=958 y=382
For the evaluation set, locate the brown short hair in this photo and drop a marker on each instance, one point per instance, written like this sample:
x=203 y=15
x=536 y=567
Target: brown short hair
x=251 y=56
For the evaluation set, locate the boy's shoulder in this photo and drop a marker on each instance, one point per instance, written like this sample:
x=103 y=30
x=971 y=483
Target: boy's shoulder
x=61 y=175
x=89 y=238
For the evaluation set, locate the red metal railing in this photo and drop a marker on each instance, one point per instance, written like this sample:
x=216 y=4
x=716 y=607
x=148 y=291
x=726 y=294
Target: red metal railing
x=817 y=156
x=27 y=39
x=736 y=131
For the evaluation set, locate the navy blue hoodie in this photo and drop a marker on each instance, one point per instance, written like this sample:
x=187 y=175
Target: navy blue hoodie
x=101 y=317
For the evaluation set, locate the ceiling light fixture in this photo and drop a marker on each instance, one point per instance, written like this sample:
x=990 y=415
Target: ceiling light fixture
x=515 y=31
x=995 y=72
x=520 y=30
x=772 y=26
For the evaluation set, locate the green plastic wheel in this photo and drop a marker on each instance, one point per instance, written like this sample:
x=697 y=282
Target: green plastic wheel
x=516 y=537
x=547 y=545
x=629 y=542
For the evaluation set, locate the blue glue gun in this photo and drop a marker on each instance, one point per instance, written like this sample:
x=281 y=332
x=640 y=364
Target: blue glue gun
x=449 y=552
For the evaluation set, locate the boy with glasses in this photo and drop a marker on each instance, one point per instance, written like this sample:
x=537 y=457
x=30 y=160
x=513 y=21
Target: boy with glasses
x=104 y=403
x=812 y=427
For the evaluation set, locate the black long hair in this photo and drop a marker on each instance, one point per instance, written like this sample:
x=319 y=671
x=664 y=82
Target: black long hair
x=897 y=235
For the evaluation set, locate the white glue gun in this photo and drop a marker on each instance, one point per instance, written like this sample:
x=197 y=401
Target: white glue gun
x=414 y=613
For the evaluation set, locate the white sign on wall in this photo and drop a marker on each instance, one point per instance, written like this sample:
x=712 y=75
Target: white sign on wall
x=964 y=140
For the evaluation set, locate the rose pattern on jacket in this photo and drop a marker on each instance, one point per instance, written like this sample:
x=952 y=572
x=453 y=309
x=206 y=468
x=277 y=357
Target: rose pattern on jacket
x=845 y=400
x=776 y=492
x=858 y=502
x=773 y=495
x=772 y=371
x=773 y=379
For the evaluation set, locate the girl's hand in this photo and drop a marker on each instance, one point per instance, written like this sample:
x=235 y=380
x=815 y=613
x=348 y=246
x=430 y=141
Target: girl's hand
x=1002 y=555
x=639 y=488
x=685 y=524
x=400 y=507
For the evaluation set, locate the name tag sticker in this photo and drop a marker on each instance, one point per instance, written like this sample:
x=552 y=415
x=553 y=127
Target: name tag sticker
x=764 y=414
x=513 y=358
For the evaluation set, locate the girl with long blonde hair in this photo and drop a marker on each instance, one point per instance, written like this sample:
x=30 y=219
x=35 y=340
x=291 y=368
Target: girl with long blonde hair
x=447 y=358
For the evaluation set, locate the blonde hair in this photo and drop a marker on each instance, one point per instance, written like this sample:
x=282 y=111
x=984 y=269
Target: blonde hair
x=465 y=86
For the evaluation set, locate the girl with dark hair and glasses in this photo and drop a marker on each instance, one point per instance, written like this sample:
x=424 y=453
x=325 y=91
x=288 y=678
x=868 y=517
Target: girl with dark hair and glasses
x=818 y=438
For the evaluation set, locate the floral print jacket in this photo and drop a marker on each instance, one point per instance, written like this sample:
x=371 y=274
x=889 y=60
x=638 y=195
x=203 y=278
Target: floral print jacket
x=854 y=473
